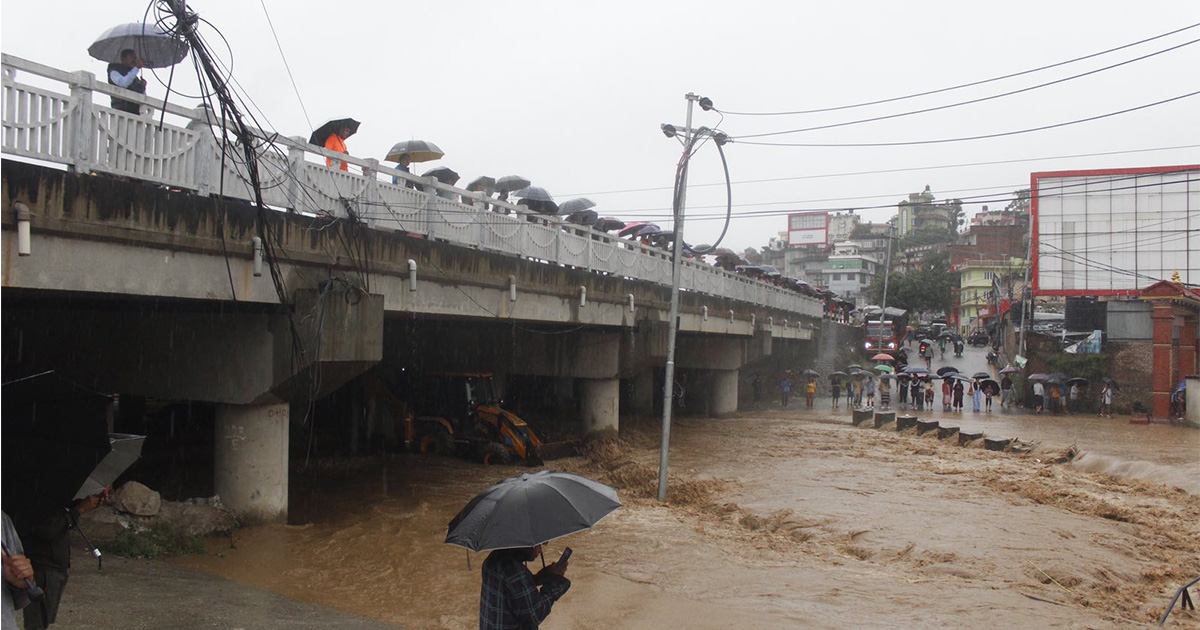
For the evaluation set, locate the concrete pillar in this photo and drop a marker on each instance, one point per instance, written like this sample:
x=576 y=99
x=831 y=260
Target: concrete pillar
x=723 y=393
x=642 y=395
x=1163 y=318
x=599 y=406
x=250 y=471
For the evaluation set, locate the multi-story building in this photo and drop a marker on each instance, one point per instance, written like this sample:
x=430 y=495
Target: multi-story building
x=985 y=257
x=849 y=271
x=921 y=210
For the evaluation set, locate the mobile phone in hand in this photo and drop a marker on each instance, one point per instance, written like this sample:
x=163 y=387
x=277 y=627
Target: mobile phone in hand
x=566 y=556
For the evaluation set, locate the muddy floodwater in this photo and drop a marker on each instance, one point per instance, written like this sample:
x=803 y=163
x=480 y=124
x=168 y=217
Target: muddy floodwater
x=778 y=519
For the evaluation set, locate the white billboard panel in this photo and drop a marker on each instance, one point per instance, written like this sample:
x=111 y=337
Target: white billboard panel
x=808 y=228
x=1113 y=232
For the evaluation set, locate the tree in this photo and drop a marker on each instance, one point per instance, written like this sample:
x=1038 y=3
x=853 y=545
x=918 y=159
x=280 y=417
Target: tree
x=925 y=235
x=929 y=288
x=1020 y=202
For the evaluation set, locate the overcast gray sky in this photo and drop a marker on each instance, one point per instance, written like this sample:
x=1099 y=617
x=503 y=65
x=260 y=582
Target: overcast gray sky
x=571 y=95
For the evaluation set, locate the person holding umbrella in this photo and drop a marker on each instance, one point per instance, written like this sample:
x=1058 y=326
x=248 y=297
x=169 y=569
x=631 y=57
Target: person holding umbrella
x=785 y=387
x=126 y=74
x=810 y=391
x=836 y=387
x=48 y=547
x=1005 y=390
x=976 y=392
x=1106 y=397
x=512 y=596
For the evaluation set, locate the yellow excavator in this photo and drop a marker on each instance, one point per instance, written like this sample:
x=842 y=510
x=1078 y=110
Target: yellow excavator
x=460 y=413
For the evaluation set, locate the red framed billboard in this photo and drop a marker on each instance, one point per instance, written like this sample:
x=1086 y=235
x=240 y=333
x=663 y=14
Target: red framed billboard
x=808 y=228
x=1109 y=232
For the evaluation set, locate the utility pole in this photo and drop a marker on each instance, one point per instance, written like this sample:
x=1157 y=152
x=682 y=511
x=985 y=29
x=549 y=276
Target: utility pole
x=673 y=324
x=1027 y=318
x=887 y=273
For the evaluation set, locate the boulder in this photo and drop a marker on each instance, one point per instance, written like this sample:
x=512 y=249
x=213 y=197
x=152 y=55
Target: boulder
x=135 y=498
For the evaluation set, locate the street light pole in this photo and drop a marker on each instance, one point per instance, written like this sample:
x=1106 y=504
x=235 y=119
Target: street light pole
x=673 y=324
x=887 y=273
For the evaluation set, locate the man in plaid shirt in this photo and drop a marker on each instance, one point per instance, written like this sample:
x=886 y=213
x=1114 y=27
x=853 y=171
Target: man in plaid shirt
x=510 y=598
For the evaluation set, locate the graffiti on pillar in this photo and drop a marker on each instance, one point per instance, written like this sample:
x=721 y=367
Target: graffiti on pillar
x=236 y=434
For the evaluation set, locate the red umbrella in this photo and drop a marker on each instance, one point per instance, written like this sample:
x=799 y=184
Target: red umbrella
x=635 y=227
x=883 y=356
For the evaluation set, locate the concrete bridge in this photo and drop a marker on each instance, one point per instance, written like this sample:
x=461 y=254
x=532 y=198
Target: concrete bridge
x=130 y=265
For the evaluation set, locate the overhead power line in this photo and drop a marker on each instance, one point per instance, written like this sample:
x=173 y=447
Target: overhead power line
x=964 y=85
x=968 y=102
x=906 y=169
x=970 y=138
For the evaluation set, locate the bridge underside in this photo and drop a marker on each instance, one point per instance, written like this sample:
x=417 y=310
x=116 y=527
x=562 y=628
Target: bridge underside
x=138 y=290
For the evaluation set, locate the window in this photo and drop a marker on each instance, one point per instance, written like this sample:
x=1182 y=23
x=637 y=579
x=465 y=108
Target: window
x=850 y=277
x=836 y=276
x=862 y=279
x=988 y=275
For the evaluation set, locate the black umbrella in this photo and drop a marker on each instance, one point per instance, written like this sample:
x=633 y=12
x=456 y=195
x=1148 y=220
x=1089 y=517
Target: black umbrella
x=608 y=224
x=581 y=217
x=1058 y=376
x=1112 y=382
x=1037 y=377
x=945 y=371
x=836 y=375
x=853 y=367
x=811 y=372
x=989 y=382
x=153 y=44
x=482 y=183
x=54 y=436
x=509 y=183
x=444 y=174
x=323 y=132
x=946 y=334
x=916 y=369
x=529 y=510
x=928 y=342
x=981 y=375
x=1078 y=380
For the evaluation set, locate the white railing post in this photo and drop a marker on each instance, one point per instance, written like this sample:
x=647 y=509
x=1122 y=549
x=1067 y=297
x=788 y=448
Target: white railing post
x=296 y=172
x=83 y=133
x=370 y=194
x=206 y=157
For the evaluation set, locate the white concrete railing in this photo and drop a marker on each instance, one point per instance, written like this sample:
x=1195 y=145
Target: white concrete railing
x=183 y=152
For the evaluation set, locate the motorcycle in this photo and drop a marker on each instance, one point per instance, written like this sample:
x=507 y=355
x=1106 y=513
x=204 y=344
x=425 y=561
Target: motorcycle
x=993 y=358
x=958 y=349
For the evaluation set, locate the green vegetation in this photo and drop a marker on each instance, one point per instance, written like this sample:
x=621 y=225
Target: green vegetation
x=156 y=541
x=928 y=288
x=926 y=235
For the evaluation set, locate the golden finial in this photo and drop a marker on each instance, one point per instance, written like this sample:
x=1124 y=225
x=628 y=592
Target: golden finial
x=1175 y=277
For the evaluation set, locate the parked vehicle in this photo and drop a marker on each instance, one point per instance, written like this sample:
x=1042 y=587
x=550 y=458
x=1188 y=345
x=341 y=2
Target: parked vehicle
x=978 y=338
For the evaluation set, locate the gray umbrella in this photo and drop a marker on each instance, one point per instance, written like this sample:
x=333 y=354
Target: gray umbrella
x=533 y=193
x=443 y=174
x=151 y=43
x=509 y=183
x=417 y=150
x=126 y=449
x=483 y=183
x=530 y=510
x=581 y=217
x=608 y=224
x=579 y=204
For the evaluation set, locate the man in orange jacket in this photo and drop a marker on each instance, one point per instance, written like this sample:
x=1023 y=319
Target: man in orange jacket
x=337 y=142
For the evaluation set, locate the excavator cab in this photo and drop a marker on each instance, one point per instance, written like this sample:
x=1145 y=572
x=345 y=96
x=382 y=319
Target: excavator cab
x=461 y=411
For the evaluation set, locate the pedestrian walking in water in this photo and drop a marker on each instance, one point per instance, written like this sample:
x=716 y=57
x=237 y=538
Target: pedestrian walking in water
x=988 y=393
x=958 y=395
x=885 y=393
x=1039 y=391
x=1106 y=398
x=869 y=392
x=810 y=392
x=1005 y=391
x=836 y=385
x=929 y=395
x=1055 y=394
x=947 y=390
x=976 y=396
x=785 y=387
x=850 y=395
x=918 y=393
x=858 y=392
x=1074 y=397
x=902 y=394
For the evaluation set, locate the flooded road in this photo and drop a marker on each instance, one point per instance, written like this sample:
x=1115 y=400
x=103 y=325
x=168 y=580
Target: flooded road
x=777 y=519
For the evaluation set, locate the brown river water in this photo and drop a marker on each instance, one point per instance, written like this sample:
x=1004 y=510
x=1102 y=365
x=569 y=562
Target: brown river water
x=778 y=519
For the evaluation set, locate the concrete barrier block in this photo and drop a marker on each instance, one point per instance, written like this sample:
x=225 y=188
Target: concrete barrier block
x=963 y=437
x=925 y=426
x=997 y=444
x=884 y=417
x=905 y=422
x=861 y=415
x=945 y=432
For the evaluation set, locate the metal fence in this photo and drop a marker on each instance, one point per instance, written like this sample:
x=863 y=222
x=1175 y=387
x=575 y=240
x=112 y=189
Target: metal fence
x=180 y=147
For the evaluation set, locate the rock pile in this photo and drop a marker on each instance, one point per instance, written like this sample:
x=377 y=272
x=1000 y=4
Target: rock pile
x=135 y=508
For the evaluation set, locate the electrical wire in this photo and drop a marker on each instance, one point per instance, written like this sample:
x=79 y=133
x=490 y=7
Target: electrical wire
x=906 y=169
x=287 y=66
x=964 y=85
x=971 y=138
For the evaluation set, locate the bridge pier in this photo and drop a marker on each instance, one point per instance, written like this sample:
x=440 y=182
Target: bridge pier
x=250 y=471
x=599 y=406
x=723 y=392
